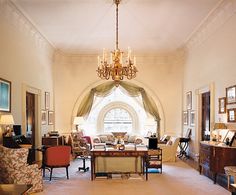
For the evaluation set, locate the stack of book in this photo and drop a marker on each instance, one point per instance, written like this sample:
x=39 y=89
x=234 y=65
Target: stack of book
x=99 y=146
x=141 y=147
x=130 y=147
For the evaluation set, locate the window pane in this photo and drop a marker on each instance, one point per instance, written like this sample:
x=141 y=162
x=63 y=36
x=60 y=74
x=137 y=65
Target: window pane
x=116 y=120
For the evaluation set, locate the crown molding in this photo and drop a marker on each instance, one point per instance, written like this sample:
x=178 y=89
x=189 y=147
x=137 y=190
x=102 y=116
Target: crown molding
x=23 y=25
x=223 y=11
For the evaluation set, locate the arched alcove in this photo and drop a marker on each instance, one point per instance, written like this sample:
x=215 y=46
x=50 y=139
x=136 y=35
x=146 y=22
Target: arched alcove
x=149 y=91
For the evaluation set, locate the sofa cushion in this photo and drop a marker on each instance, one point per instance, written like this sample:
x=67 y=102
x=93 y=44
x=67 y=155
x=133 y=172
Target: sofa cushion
x=131 y=138
x=103 y=138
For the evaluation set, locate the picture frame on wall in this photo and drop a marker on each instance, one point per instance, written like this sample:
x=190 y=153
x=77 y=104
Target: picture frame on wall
x=47 y=100
x=50 y=117
x=231 y=115
x=43 y=117
x=222 y=105
x=192 y=118
x=5 y=95
x=189 y=100
x=231 y=95
x=185 y=117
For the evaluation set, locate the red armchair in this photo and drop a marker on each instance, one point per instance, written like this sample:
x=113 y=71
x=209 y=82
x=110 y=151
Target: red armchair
x=56 y=157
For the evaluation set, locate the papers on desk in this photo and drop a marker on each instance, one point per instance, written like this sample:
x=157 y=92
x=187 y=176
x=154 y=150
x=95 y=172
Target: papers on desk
x=141 y=147
x=130 y=147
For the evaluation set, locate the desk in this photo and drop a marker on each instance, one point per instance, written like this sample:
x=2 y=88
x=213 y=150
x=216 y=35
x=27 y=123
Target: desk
x=14 y=189
x=116 y=153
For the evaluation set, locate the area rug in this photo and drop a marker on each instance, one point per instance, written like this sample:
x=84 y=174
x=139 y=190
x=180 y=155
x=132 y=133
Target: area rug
x=176 y=178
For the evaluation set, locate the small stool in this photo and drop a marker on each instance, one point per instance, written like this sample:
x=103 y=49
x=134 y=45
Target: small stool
x=230 y=171
x=84 y=168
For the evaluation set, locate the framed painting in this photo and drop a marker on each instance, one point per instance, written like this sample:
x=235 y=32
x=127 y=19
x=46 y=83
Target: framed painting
x=43 y=117
x=231 y=115
x=231 y=95
x=192 y=118
x=5 y=95
x=222 y=105
x=50 y=117
x=185 y=117
x=189 y=100
x=47 y=100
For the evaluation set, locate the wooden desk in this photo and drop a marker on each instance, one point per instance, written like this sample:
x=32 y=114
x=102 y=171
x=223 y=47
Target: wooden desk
x=117 y=153
x=14 y=189
x=52 y=141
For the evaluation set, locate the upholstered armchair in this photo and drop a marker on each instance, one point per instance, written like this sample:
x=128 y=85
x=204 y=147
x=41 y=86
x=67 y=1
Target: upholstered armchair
x=57 y=157
x=169 y=150
x=14 y=169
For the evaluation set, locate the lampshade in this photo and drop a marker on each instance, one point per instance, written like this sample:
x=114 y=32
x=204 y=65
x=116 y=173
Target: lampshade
x=78 y=120
x=220 y=126
x=6 y=119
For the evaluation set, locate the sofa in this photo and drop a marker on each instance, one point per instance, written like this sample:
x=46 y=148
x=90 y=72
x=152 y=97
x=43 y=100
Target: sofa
x=109 y=139
x=14 y=169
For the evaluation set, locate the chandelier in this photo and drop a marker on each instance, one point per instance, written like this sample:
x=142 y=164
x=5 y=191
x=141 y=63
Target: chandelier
x=117 y=69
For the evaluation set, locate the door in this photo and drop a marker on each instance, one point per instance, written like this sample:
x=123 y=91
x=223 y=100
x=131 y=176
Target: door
x=205 y=116
x=30 y=122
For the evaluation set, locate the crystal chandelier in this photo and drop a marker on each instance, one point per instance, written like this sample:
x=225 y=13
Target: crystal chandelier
x=116 y=69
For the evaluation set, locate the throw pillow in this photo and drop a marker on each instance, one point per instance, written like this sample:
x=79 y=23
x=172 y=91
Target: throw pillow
x=96 y=140
x=126 y=137
x=111 y=138
x=103 y=138
x=169 y=143
x=131 y=139
x=138 y=140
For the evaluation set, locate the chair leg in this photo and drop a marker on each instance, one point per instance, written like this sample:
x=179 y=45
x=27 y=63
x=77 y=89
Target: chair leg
x=67 y=174
x=51 y=173
x=43 y=171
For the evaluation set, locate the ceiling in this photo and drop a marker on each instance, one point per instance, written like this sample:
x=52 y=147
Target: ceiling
x=87 y=26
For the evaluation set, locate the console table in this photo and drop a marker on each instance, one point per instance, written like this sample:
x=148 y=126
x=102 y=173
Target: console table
x=117 y=153
x=52 y=141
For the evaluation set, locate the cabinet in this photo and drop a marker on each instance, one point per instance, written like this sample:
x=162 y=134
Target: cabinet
x=53 y=141
x=214 y=158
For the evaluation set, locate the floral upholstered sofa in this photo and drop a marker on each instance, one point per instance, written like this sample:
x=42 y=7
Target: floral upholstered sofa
x=109 y=138
x=14 y=169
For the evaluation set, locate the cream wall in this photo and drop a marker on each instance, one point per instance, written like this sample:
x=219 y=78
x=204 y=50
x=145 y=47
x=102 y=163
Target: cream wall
x=25 y=60
x=211 y=62
x=161 y=75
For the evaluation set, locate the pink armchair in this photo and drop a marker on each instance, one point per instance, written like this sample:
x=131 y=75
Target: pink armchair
x=14 y=169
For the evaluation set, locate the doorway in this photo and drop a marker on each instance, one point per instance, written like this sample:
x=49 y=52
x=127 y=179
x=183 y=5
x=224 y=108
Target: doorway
x=205 y=112
x=30 y=122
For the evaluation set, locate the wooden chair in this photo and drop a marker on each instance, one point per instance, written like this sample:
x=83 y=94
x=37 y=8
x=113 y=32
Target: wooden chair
x=57 y=157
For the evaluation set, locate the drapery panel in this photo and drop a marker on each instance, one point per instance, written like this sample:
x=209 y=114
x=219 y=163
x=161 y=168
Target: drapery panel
x=128 y=88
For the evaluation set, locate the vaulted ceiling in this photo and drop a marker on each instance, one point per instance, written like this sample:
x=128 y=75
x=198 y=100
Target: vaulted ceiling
x=87 y=26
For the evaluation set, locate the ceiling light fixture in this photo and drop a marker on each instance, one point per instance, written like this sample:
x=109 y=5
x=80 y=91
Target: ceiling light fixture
x=115 y=69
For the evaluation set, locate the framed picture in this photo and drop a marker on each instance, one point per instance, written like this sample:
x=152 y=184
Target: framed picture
x=43 y=117
x=189 y=100
x=50 y=117
x=192 y=118
x=185 y=117
x=47 y=100
x=5 y=95
x=231 y=115
x=222 y=105
x=231 y=95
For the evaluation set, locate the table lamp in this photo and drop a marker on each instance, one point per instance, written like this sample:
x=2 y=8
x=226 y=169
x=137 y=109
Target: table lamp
x=216 y=129
x=78 y=121
x=7 y=120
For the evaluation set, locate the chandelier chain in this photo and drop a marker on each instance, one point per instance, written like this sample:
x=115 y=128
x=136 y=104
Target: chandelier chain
x=117 y=4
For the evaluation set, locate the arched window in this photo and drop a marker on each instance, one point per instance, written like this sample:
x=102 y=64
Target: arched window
x=118 y=120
